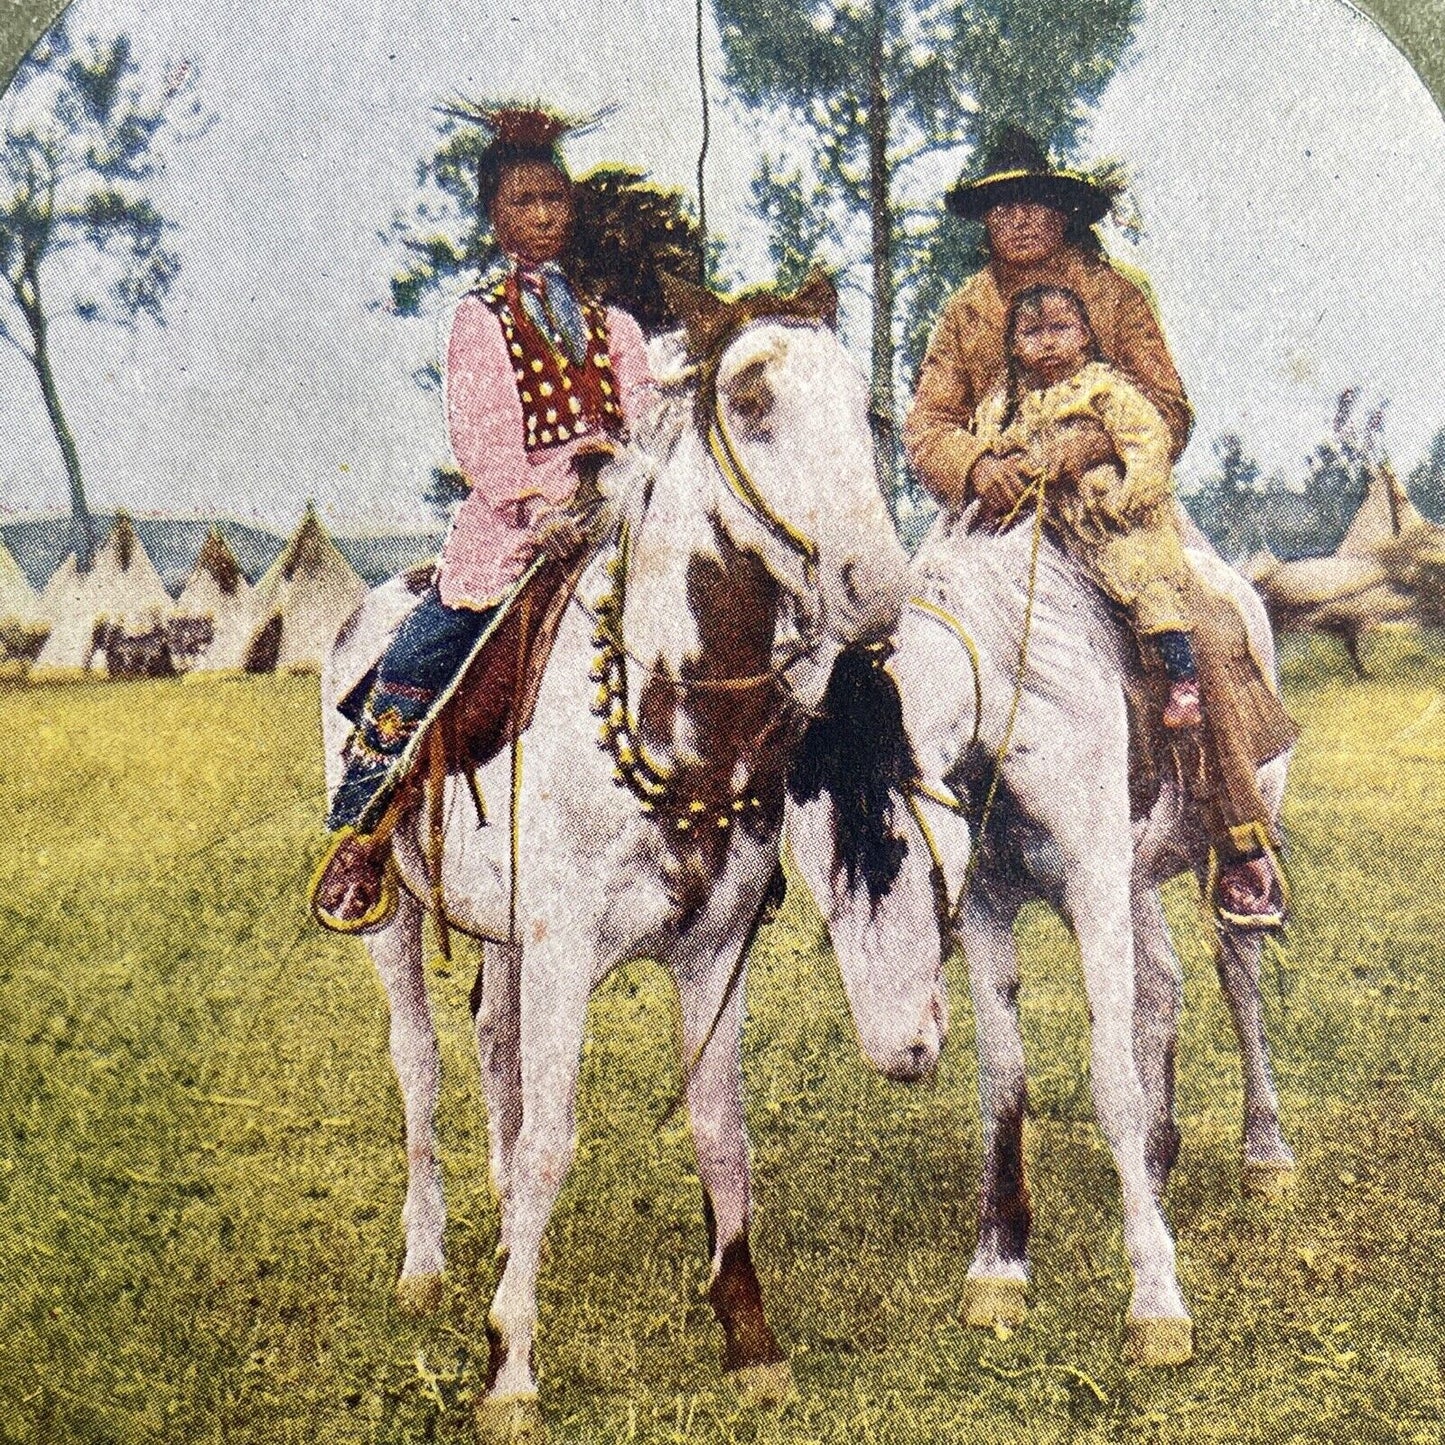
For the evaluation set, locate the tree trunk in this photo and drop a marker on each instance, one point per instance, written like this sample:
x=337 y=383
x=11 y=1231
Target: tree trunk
x=82 y=525
x=881 y=215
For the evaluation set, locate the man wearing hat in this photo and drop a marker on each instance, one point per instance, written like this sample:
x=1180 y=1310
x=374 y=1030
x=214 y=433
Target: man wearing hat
x=1039 y=220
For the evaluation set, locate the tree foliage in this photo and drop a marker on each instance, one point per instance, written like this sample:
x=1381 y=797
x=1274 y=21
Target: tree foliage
x=1426 y=482
x=1226 y=506
x=1242 y=514
x=83 y=142
x=1335 y=484
x=889 y=96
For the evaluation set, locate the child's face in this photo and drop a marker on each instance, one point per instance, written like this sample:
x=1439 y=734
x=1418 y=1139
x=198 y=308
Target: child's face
x=1050 y=340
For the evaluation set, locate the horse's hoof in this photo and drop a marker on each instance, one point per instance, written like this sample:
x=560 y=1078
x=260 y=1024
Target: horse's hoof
x=516 y=1420
x=1158 y=1341
x=990 y=1300
x=420 y=1294
x=1263 y=1179
x=765 y=1385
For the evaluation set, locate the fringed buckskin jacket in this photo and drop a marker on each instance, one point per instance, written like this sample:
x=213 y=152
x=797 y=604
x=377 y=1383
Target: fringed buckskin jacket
x=966 y=360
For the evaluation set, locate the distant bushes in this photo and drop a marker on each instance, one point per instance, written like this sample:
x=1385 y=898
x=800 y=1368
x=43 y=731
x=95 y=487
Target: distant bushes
x=21 y=641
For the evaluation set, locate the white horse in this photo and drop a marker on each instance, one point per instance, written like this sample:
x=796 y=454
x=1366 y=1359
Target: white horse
x=757 y=546
x=1059 y=830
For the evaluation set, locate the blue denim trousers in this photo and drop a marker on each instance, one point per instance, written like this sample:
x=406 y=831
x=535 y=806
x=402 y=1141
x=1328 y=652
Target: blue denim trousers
x=396 y=698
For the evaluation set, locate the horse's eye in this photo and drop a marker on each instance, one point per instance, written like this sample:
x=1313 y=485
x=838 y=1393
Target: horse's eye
x=750 y=396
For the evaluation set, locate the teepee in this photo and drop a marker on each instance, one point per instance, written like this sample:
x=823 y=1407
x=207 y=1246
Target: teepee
x=111 y=618
x=1386 y=513
x=298 y=607
x=1387 y=568
x=212 y=624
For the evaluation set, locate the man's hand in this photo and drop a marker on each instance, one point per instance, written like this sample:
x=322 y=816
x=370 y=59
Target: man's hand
x=585 y=520
x=590 y=457
x=559 y=536
x=1078 y=447
x=998 y=482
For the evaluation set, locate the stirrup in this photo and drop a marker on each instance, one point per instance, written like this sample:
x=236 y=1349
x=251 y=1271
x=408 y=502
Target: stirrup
x=1273 y=916
x=379 y=914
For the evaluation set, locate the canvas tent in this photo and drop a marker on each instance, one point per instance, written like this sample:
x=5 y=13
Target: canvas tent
x=111 y=618
x=1386 y=513
x=298 y=607
x=1387 y=569
x=212 y=625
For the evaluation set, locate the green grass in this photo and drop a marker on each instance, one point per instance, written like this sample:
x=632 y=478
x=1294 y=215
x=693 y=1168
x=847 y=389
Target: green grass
x=201 y=1168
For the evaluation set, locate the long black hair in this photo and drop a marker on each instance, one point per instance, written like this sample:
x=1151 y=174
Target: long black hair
x=1032 y=300
x=856 y=750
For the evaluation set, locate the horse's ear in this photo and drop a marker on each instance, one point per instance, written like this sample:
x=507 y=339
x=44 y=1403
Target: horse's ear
x=703 y=316
x=817 y=297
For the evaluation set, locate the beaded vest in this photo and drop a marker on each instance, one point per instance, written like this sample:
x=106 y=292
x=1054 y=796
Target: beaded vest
x=561 y=399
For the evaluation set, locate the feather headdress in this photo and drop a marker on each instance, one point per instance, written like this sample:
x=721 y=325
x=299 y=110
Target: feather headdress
x=522 y=125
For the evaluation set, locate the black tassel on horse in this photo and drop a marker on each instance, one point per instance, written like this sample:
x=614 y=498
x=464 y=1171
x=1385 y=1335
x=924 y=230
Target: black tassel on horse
x=857 y=751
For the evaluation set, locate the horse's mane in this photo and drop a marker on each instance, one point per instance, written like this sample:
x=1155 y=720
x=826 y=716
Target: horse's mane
x=856 y=749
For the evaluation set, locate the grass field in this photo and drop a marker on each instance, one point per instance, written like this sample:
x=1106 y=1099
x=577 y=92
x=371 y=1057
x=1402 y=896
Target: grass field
x=200 y=1161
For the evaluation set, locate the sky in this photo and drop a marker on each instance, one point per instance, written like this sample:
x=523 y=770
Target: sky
x=1287 y=163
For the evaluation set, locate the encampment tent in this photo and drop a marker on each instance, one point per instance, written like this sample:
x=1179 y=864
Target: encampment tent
x=212 y=624
x=298 y=607
x=111 y=618
x=22 y=627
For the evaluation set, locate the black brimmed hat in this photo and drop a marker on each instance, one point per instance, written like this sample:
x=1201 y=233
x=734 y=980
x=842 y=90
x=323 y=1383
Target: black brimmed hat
x=1016 y=168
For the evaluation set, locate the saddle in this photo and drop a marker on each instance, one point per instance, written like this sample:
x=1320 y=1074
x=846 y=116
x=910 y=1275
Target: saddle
x=497 y=695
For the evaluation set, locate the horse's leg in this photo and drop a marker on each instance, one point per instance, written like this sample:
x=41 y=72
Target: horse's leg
x=497 y=1019
x=1158 y=996
x=396 y=950
x=1268 y=1168
x=1096 y=900
x=998 y=1274
x=715 y=1107
x=554 y=995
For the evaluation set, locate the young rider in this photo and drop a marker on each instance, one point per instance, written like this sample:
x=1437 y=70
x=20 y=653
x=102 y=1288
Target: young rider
x=1117 y=519
x=541 y=381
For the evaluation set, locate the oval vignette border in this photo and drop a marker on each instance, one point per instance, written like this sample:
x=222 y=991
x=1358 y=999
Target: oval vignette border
x=1416 y=27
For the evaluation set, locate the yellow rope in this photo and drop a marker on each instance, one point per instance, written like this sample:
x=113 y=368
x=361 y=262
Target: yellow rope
x=939 y=614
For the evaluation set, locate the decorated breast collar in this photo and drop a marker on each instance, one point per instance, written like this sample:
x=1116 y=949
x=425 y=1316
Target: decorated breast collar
x=561 y=399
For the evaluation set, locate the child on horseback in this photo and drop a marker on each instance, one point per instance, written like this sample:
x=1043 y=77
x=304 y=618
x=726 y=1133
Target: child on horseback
x=540 y=382
x=1041 y=220
x=1118 y=520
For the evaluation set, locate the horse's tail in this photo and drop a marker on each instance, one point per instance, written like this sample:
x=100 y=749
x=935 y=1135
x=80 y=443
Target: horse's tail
x=857 y=750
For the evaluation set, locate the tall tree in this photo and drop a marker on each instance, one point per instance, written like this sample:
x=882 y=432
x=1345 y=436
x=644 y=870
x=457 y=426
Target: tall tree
x=796 y=211
x=84 y=139
x=1226 y=506
x=1426 y=482
x=889 y=96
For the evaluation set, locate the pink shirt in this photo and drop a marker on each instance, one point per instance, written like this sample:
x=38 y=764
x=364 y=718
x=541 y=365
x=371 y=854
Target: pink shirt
x=512 y=490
